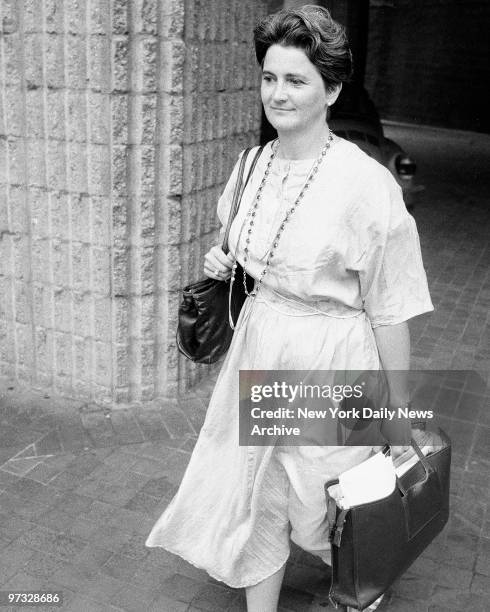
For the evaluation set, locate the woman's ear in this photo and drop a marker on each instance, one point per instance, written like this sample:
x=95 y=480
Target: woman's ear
x=333 y=94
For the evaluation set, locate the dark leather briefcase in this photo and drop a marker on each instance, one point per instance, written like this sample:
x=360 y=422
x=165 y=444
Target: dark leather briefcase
x=374 y=543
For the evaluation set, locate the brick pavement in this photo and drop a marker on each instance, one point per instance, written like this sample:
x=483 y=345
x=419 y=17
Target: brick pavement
x=80 y=487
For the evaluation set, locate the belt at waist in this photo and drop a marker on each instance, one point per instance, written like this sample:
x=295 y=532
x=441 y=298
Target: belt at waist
x=296 y=308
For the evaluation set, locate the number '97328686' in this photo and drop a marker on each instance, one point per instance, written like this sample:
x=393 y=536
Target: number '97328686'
x=31 y=598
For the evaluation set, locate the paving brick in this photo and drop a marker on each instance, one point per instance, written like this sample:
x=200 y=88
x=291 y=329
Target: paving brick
x=73 y=504
x=480 y=584
x=91 y=559
x=21 y=467
x=102 y=588
x=13 y=441
x=73 y=436
x=134 y=522
x=399 y=604
x=12 y=558
x=150 y=467
x=36 y=492
x=453 y=577
x=126 y=427
x=142 y=502
x=468 y=514
x=43 y=566
x=169 y=605
x=109 y=537
x=81 y=603
x=133 y=547
x=483 y=564
x=20 y=579
x=83 y=465
x=159 y=487
x=194 y=573
x=181 y=588
x=461 y=443
x=106 y=492
x=214 y=598
x=96 y=423
x=43 y=472
x=47 y=541
x=55 y=519
x=132 y=599
x=120 y=566
x=99 y=512
x=49 y=444
x=414 y=587
x=152 y=576
x=132 y=480
x=424 y=566
x=176 y=423
x=176 y=466
x=188 y=445
x=65 y=481
x=454 y=600
x=159 y=450
x=12 y=526
x=152 y=426
x=107 y=473
x=18 y=507
x=75 y=577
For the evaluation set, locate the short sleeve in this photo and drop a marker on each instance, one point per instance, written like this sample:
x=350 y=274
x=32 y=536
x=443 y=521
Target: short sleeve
x=393 y=282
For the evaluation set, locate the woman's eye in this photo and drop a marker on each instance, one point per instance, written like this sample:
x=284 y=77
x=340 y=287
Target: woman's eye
x=296 y=81
x=266 y=78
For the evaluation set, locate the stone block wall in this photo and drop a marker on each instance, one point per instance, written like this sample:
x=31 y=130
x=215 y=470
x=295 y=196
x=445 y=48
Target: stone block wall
x=119 y=124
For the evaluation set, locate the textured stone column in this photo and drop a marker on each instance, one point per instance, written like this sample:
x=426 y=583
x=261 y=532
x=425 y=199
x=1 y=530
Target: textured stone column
x=221 y=116
x=119 y=124
x=56 y=247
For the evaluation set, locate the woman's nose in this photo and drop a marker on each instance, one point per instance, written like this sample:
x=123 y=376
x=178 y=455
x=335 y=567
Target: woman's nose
x=279 y=92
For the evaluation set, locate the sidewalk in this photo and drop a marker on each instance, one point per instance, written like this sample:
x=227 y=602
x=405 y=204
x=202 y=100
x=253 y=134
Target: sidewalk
x=80 y=488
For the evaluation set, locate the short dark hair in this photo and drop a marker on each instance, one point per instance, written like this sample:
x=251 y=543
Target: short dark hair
x=312 y=29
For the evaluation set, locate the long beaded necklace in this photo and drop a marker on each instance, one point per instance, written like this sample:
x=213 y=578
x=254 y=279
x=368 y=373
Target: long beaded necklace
x=252 y=213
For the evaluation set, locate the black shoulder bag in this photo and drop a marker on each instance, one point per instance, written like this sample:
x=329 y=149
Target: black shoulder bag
x=204 y=333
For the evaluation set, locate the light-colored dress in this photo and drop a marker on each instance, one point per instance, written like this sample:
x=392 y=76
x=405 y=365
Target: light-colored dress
x=348 y=260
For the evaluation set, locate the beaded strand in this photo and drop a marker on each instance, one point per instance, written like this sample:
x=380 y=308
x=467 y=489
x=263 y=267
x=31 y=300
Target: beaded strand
x=252 y=213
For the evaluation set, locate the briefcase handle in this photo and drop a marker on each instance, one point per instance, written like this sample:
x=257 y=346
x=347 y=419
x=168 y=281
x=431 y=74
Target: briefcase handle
x=428 y=469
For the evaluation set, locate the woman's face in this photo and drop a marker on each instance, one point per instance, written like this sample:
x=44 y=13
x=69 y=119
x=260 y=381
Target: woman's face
x=293 y=92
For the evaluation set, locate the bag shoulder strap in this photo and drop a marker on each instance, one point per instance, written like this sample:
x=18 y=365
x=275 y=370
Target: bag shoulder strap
x=238 y=191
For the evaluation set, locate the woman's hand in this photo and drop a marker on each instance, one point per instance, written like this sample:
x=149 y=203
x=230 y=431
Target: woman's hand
x=429 y=441
x=398 y=451
x=217 y=264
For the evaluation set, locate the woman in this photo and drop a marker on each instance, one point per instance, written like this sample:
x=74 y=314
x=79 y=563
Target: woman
x=324 y=231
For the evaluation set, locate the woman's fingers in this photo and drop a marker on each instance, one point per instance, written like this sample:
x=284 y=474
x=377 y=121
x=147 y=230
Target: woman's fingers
x=398 y=451
x=226 y=259
x=216 y=273
x=218 y=264
x=216 y=256
x=429 y=441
